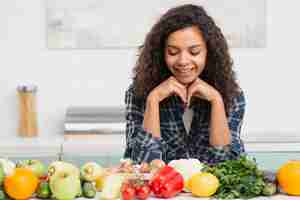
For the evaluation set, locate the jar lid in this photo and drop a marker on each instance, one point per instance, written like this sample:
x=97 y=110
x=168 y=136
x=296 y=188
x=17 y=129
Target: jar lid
x=27 y=88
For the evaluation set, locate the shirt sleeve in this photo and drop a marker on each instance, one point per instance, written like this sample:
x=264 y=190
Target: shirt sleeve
x=235 y=120
x=140 y=145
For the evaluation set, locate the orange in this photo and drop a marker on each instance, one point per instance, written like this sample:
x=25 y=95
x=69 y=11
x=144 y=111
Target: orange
x=21 y=184
x=203 y=184
x=289 y=177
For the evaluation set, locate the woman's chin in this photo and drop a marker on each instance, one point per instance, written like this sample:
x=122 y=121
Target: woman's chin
x=186 y=81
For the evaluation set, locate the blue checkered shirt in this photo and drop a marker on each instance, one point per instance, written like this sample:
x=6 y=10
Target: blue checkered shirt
x=175 y=142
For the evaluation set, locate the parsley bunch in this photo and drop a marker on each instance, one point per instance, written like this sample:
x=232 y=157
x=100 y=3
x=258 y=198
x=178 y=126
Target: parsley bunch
x=238 y=178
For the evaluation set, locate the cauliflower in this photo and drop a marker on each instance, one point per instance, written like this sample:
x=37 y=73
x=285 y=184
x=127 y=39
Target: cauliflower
x=187 y=168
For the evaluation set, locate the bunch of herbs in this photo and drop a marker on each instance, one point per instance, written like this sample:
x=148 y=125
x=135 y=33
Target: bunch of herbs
x=239 y=178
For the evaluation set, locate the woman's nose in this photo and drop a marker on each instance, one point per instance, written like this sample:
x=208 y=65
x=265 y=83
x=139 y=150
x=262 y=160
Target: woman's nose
x=183 y=59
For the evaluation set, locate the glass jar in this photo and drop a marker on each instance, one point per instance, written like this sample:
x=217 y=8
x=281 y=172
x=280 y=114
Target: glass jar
x=28 y=126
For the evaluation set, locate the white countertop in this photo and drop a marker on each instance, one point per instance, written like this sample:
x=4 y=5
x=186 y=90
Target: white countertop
x=187 y=196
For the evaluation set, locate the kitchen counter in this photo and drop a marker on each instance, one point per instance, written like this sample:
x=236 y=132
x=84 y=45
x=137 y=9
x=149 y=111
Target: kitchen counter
x=189 y=197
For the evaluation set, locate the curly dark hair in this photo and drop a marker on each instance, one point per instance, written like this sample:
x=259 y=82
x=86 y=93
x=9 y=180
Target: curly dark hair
x=150 y=69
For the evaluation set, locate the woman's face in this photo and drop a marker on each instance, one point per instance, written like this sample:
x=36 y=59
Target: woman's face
x=185 y=54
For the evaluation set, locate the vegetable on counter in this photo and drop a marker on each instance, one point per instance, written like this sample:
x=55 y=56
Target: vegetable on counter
x=167 y=182
x=112 y=186
x=127 y=191
x=89 y=190
x=135 y=189
x=239 y=178
x=156 y=165
x=142 y=189
x=2 y=195
x=187 y=168
x=269 y=189
x=43 y=191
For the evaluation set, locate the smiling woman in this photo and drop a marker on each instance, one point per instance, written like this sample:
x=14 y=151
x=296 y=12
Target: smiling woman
x=184 y=71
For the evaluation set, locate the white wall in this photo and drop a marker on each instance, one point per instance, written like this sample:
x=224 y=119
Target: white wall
x=99 y=77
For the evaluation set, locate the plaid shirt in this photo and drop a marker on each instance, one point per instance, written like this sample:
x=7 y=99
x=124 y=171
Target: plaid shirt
x=175 y=142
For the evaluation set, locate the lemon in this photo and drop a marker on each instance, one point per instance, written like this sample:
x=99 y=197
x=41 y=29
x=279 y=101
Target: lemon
x=100 y=183
x=203 y=184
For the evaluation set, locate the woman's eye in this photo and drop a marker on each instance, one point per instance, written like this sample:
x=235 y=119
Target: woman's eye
x=194 y=53
x=172 y=52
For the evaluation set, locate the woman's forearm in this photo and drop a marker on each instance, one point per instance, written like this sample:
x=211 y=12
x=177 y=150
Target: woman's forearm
x=219 y=129
x=151 y=116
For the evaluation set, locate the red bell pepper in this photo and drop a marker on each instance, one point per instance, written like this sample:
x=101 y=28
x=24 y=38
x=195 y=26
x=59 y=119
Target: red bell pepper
x=167 y=183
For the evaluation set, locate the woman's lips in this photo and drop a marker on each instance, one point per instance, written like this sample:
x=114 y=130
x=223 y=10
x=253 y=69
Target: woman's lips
x=184 y=72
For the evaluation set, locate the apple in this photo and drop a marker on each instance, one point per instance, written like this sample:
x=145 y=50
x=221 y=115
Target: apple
x=2 y=175
x=8 y=166
x=64 y=185
x=36 y=166
x=61 y=166
x=91 y=171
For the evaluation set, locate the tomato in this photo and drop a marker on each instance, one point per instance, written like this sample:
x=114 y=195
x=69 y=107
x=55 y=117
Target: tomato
x=127 y=192
x=142 y=191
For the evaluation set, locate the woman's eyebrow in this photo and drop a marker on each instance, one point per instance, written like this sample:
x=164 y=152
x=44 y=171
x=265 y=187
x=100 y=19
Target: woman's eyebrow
x=191 y=47
x=172 y=46
x=196 y=45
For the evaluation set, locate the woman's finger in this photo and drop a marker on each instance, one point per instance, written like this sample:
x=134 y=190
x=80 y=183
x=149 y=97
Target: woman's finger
x=181 y=92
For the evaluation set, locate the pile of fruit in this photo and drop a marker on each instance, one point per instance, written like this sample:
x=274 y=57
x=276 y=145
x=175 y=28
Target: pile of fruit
x=60 y=180
x=128 y=181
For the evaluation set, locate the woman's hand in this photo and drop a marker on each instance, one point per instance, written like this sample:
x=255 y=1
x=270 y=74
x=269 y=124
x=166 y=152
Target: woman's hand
x=168 y=88
x=203 y=90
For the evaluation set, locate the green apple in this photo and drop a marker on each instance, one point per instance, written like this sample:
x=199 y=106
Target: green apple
x=1 y=175
x=64 y=185
x=61 y=166
x=91 y=171
x=36 y=166
x=8 y=166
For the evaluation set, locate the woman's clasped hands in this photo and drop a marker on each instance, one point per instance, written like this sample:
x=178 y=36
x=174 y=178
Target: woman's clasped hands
x=198 y=88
